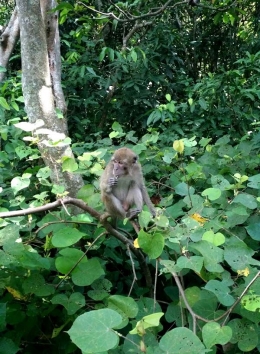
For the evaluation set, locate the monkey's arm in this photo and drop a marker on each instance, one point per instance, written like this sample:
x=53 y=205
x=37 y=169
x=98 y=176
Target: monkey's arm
x=106 y=182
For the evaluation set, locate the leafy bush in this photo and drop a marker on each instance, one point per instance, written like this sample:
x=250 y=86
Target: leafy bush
x=71 y=284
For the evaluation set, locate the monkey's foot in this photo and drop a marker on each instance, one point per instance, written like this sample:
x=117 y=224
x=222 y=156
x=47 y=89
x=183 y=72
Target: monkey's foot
x=131 y=214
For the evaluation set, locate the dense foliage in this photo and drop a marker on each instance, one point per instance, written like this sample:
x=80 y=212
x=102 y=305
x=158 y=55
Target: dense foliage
x=191 y=115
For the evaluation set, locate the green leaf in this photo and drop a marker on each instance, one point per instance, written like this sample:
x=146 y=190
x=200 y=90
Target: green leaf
x=251 y=302
x=86 y=273
x=221 y=291
x=144 y=219
x=20 y=99
x=4 y=103
x=190 y=101
x=111 y=54
x=217 y=239
x=183 y=189
x=19 y=183
x=254 y=182
x=162 y=221
x=125 y=306
x=213 y=334
x=195 y=263
x=44 y=172
x=238 y=255
x=101 y=289
x=244 y=333
x=15 y=106
x=148 y=321
x=67 y=259
x=69 y=165
x=91 y=71
x=35 y=284
x=7 y=346
x=212 y=255
x=66 y=236
x=183 y=340
x=247 y=200
x=102 y=54
x=220 y=182
x=171 y=107
x=72 y=304
x=168 y=97
x=92 y=332
x=253 y=231
x=203 y=104
x=22 y=151
x=134 y=55
x=212 y=193
x=151 y=244
x=178 y=145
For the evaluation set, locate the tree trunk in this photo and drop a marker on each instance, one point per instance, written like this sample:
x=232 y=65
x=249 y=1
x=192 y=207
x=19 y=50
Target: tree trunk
x=42 y=86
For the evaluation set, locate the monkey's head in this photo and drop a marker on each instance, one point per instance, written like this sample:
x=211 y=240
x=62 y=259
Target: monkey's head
x=123 y=162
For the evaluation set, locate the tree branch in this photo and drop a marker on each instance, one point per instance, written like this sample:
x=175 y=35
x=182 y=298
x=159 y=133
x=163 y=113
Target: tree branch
x=194 y=315
x=8 y=41
x=131 y=18
x=80 y=204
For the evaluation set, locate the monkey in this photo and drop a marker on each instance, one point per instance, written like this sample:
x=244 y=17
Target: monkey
x=123 y=191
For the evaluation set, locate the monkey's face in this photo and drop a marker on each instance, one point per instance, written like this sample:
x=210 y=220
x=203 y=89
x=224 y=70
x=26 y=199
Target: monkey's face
x=123 y=162
x=119 y=169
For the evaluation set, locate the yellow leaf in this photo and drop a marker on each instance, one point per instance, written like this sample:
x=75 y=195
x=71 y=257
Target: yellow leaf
x=244 y=272
x=198 y=218
x=178 y=146
x=16 y=294
x=136 y=244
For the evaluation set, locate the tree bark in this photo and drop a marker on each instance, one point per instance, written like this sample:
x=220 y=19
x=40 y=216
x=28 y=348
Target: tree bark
x=42 y=86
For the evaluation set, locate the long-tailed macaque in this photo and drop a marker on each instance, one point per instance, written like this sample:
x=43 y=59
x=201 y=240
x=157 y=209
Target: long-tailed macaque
x=122 y=186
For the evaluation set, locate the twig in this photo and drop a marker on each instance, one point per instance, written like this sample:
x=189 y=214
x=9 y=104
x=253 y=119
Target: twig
x=133 y=268
x=155 y=284
x=194 y=315
x=119 y=9
x=79 y=260
x=133 y=30
x=132 y=17
x=227 y=313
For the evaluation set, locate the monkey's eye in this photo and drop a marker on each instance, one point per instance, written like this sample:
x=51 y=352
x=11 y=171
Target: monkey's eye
x=135 y=159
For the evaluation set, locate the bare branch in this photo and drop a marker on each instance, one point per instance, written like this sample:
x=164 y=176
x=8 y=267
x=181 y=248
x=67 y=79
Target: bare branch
x=131 y=18
x=133 y=30
x=195 y=316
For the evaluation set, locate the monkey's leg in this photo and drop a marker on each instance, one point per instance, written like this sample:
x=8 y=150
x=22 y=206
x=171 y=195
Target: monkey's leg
x=114 y=206
x=134 y=197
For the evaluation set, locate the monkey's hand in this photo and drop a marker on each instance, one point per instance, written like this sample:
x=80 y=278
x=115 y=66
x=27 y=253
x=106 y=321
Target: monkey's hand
x=131 y=214
x=113 y=181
